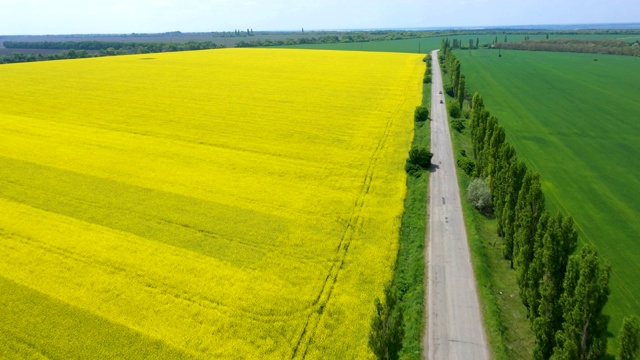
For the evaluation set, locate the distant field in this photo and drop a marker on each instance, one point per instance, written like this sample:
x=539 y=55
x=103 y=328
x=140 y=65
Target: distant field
x=426 y=44
x=217 y=37
x=405 y=45
x=224 y=204
x=422 y=45
x=575 y=121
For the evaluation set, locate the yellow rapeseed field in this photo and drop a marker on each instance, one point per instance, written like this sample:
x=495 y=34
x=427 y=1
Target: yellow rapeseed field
x=223 y=204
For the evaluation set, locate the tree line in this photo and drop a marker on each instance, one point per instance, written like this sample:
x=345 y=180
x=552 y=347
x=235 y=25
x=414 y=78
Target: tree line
x=84 y=49
x=605 y=46
x=564 y=293
x=331 y=39
x=81 y=49
x=130 y=47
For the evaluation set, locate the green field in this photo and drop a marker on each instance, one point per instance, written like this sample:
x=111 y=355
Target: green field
x=575 y=121
x=426 y=44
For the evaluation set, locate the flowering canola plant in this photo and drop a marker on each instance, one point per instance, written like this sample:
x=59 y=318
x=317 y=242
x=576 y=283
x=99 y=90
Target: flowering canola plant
x=228 y=204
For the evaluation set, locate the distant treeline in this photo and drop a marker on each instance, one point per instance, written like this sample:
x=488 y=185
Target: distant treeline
x=608 y=46
x=129 y=47
x=84 y=49
x=333 y=39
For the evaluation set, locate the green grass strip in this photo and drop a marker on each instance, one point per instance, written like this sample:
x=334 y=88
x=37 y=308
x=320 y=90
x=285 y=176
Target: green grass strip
x=408 y=279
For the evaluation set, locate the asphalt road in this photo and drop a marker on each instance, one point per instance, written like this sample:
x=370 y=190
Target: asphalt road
x=454 y=323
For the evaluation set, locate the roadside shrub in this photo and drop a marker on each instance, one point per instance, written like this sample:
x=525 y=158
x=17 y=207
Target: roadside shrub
x=457 y=125
x=421 y=114
x=467 y=165
x=386 y=331
x=419 y=155
x=479 y=195
x=454 y=110
x=426 y=79
x=412 y=169
x=449 y=90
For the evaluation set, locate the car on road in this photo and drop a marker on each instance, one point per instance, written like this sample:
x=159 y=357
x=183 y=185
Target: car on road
x=439 y=92
x=440 y=101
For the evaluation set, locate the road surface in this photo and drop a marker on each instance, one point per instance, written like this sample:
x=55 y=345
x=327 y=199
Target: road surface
x=454 y=323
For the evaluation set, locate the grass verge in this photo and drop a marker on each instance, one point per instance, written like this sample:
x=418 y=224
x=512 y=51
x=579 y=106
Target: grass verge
x=408 y=277
x=508 y=333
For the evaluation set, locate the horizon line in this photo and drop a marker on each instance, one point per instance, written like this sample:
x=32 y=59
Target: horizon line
x=567 y=26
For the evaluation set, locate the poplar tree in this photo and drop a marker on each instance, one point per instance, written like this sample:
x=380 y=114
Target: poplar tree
x=480 y=120
x=546 y=227
x=482 y=158
x=453 y=66
x=629 y=338
x=497 y=139
x=477 y=105
x=517 y=171
x=559 y=242
x=586 y=291
x=461 y=91
x=499 y=183
x=529 y=208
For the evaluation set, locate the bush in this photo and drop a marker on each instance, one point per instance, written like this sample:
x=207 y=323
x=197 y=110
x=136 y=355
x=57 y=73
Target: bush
x=387 y=330
x=479 y=195
x=412 y=169
x=426 y=79
x=457 y=125
x=454 y=110
x=449 y=90
x=467 y=165
x=419 y=155
x=421 y=114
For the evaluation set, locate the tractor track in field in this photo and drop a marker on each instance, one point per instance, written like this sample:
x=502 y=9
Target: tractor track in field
x=313 y=320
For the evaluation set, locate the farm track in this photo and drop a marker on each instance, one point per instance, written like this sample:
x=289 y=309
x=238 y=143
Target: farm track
x=454 y=324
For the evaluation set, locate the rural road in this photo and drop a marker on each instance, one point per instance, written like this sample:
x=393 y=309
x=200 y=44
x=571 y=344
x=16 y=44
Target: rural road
x=454 y=323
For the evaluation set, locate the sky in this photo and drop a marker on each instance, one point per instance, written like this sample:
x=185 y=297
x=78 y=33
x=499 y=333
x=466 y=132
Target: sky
x=37 y=17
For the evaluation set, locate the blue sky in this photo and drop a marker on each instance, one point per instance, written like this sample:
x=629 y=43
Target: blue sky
x=127 y=16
